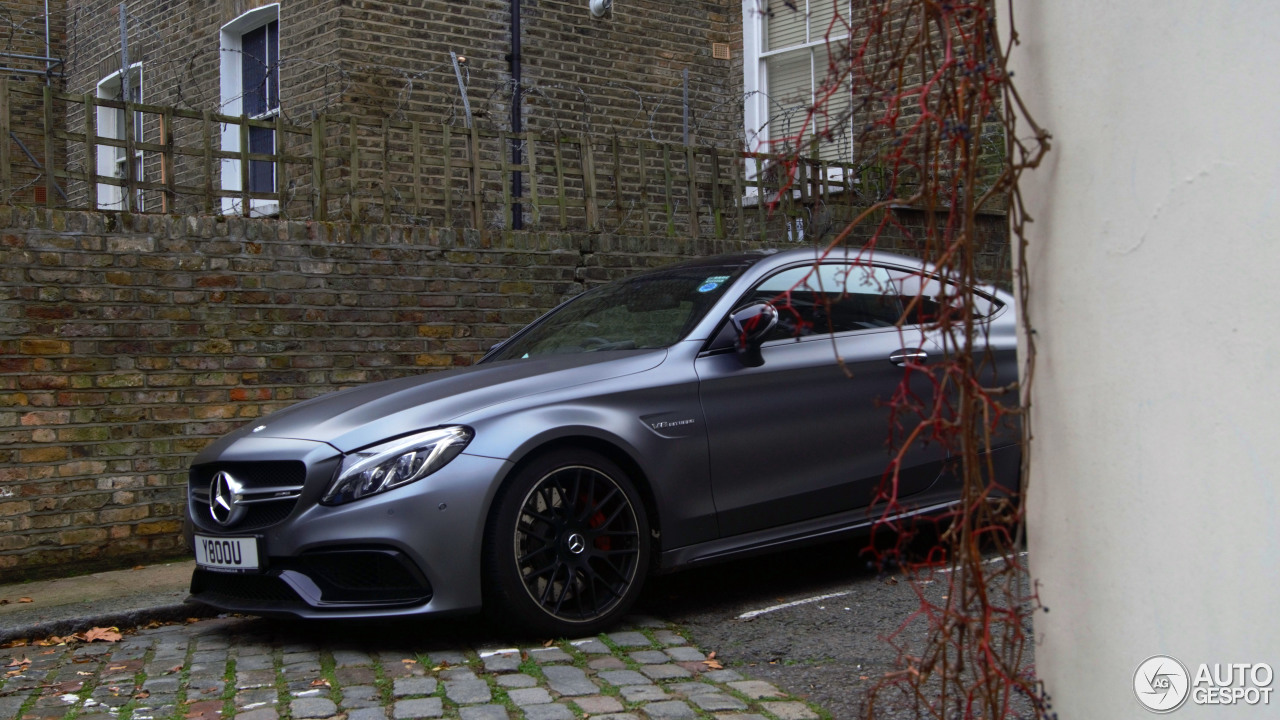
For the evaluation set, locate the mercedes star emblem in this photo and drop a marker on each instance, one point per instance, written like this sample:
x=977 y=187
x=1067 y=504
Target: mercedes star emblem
x=224 y=499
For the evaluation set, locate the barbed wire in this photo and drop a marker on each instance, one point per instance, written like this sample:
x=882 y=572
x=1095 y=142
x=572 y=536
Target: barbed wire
x=26 y=39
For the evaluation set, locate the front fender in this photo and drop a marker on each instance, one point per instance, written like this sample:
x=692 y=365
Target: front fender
x=672 y=459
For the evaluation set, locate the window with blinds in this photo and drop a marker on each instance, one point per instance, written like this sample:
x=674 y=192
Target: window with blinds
x=795 y=60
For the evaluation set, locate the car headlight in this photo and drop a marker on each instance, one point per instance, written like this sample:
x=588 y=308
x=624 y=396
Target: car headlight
x=395 y=463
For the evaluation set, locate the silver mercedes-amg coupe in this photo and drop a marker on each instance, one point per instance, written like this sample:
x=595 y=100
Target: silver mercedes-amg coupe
x=704 y=411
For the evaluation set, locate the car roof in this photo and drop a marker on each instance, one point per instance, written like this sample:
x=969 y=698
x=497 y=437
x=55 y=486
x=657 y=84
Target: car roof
x=844 y=254
x=784 y=257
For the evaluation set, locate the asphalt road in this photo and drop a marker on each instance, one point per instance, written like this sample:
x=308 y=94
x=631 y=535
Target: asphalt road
x=836 y=642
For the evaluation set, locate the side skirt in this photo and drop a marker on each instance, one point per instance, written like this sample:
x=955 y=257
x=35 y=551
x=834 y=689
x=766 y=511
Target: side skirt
x=814 y=531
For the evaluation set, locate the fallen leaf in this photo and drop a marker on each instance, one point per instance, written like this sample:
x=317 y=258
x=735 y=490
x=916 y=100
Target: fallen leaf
x=173 y=670
x=549 y=643
x=320 y=682
x=142 y=695
x=25 y=600
x=408 y=661
x=20 y=661
x=440 y=667
x=713 y=664
x=70 y=686
x=63 y=640
x=83 y=673
x=138 y=567
x=20 y=642
x=111 y=634
x=711 y=655
x=117 y=667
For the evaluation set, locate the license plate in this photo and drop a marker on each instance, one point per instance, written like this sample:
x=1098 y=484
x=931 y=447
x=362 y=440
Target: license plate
x=228 y=554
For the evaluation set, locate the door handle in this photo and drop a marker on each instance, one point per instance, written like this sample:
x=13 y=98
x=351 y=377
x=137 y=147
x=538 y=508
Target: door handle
x=906 y=355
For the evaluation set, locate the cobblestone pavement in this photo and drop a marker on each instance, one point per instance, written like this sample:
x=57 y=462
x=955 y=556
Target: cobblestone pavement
x=246 y=669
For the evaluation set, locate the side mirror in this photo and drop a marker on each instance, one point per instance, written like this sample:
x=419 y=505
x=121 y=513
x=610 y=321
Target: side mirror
x=493 y=349
x=752 y=323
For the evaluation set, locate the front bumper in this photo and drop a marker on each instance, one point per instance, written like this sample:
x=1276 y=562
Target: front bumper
x=409 y=551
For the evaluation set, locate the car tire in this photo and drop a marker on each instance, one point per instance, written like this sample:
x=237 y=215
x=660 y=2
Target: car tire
x=566 y=547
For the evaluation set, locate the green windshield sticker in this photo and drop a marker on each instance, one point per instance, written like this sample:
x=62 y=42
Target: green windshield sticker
x=712 y=283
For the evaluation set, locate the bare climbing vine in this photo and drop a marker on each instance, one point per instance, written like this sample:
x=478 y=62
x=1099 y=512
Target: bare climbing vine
x=920 y=91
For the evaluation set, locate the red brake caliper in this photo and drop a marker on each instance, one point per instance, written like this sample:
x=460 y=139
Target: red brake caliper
x=595 y=521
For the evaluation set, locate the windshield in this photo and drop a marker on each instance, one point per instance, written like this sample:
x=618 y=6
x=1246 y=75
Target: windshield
x=644 y=312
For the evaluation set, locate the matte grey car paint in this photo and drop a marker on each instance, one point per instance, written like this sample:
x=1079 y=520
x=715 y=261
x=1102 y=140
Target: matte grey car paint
x=731 y=459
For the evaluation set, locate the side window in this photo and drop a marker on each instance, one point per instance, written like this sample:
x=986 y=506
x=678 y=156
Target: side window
x=927 y=299
x=834 y=298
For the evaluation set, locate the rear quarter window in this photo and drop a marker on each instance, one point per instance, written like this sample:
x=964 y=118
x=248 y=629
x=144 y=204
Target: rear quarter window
x=927 y=300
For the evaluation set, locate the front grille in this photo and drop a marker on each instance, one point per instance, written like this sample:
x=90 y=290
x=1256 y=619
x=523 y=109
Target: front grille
x=252 y=475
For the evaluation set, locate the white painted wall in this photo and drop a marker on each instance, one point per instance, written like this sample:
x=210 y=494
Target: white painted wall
x=1154 y=525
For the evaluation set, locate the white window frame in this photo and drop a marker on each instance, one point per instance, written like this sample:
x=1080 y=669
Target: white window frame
x=230 y=51
x=110 y=159
x=755 y=81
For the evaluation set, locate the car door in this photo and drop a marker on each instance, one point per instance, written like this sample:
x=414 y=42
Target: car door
x=806 y=434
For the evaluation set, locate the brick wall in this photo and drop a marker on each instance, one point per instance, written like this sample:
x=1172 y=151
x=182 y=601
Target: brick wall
x=128 y=342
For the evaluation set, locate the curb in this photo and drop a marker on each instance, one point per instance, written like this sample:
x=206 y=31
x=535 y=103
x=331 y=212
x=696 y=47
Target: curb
x=121 y=618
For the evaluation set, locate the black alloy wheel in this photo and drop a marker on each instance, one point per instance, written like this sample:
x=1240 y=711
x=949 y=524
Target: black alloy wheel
x=568 y=549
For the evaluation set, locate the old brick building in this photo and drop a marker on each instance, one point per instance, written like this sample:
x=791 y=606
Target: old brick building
x=579 y=72
x=724 y=73
x=550 y=67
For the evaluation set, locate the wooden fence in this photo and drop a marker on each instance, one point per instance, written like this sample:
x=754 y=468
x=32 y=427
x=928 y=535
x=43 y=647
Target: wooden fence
x=191 y=162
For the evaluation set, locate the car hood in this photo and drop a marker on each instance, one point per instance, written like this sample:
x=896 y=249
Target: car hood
x=360 y=416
